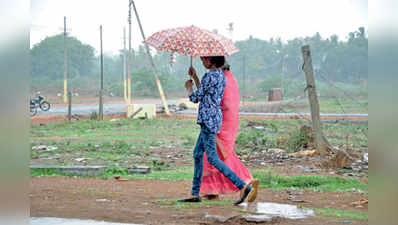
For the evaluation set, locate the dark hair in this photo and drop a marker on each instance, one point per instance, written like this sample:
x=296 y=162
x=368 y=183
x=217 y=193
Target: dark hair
x=217 y=61
x=226 y=67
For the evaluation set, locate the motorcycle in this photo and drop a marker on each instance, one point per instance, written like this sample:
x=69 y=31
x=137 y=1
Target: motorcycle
x=39 y=102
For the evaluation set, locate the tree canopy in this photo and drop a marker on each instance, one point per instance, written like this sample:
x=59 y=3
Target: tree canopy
x=47 y=57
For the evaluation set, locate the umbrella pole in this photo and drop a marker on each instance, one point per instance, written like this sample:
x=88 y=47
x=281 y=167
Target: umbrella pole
x=190 y=67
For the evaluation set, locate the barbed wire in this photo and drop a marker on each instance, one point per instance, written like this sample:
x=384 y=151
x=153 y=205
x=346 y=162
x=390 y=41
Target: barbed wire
x=340 y=89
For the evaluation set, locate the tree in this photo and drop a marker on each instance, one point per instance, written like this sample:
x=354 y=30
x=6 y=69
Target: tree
x=47 y=58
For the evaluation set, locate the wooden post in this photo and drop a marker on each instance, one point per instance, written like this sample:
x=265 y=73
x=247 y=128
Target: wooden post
x=69 y=106
x=320 y=141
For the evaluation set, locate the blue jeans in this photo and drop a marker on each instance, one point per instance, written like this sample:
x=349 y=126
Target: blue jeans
x=207 y=143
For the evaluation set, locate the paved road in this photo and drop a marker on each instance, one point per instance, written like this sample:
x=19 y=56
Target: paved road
x=87 y=109
x=120 y=108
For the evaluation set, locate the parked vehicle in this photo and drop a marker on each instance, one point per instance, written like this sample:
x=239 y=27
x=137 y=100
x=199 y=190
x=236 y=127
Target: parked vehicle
x=39 y=102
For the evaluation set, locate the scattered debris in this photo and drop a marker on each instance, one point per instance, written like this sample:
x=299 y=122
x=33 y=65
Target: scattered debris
x=81 y=159
x=293 y=199
x=309 y=152
x=257 y=218
x=121 y=179
x=218 y=218
x=44 y=148
x=172 y=108
x=183 y=106
x=365 y=157
x=309 y=169
x=276 y=150
x=361 y=202
x=340 y=160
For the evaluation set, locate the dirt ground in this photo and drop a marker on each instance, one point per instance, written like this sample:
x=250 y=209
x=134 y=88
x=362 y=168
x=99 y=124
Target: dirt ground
x=136 y=201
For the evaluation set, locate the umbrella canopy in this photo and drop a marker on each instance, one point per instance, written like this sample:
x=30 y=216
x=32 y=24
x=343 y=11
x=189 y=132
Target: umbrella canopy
x=192 y=41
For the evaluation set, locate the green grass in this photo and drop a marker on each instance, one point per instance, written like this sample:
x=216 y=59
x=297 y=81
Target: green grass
x=341 y=214
x=316 y=183
x=48 y=173
x=342 y=135
x=139 y=141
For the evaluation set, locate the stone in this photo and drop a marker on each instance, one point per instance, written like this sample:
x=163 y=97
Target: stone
x=218 y=218
x=257 y=218
x=76 y=170
x=139 y=169
x=276 y=150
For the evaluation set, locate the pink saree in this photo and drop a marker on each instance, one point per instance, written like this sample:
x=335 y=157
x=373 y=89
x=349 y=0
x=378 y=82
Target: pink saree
x=214 y=182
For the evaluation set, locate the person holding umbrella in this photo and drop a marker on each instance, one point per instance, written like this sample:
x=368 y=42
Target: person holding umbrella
x=194 y=41
x=215 y=183
x=209 y=94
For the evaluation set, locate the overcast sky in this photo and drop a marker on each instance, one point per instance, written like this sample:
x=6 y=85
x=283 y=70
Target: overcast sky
x=260 y=18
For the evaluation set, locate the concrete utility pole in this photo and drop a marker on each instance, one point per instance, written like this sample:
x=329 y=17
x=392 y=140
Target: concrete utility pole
x=320 y=140
x=129 y=57
x=162 y=96
x=101 y=106
x=65 y=65
x=244 y=79
x=69 y=106
x=282 y=65
x=124 y=64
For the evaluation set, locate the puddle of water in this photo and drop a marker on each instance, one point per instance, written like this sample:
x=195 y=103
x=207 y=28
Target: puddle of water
x=60 y=221
x=277 y=210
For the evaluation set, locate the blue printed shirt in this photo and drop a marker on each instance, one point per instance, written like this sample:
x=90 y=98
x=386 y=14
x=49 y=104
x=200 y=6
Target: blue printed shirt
x=209 y=94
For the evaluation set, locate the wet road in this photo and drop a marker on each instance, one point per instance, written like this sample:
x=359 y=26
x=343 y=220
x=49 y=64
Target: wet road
x=120 y=108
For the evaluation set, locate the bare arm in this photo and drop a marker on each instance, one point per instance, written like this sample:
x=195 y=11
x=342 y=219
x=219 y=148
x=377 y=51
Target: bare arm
x=192 y=73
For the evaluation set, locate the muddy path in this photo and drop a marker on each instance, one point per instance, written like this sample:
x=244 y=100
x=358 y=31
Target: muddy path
x=151 y=202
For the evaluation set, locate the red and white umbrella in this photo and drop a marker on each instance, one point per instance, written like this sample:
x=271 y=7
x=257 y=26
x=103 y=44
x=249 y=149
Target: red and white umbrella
x=191 y=41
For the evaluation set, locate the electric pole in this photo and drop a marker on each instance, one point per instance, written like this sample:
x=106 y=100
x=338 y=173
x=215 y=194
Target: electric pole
x=129 y=57
x=244 y=78
x=155 y=73
x=101 y=109
x=124 y=64
x=65 y=65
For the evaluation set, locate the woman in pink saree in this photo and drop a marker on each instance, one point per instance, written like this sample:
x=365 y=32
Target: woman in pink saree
x=213 y=182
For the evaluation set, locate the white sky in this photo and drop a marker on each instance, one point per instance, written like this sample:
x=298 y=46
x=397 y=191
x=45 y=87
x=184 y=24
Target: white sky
x=261 y=18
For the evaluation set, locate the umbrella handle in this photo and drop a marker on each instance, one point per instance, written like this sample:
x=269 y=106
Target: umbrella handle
x=190 y=67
